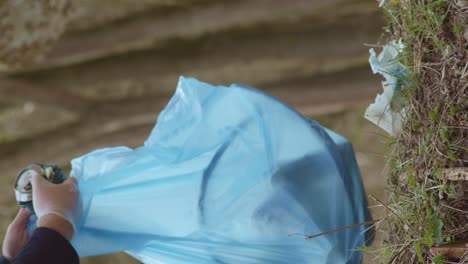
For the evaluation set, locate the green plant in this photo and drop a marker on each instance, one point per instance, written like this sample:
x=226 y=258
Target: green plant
x=423 y=210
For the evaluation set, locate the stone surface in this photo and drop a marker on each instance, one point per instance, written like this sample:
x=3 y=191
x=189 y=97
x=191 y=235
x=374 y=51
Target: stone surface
x=25 y=37
x=91 y=14
x=152 y=29
x=26 y=119
x=254 y=56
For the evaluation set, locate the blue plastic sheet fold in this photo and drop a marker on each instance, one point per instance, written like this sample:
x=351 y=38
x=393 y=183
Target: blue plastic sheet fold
x=226 y=176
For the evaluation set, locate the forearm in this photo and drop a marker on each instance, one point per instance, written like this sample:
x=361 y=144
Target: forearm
x=58 y=224
x=46 y=246
x=4 y=260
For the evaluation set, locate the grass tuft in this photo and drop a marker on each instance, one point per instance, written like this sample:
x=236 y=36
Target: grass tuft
x=424 y=208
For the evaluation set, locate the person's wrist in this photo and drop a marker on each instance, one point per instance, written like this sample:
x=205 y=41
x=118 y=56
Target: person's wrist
x=5 y=259
x=58 y=224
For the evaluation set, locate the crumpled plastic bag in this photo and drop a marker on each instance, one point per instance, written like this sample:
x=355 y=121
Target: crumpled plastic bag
x=226 y=176
x=387 y=111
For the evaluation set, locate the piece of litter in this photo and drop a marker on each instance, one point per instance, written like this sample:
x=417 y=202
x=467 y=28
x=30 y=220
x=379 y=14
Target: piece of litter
x=387 y=112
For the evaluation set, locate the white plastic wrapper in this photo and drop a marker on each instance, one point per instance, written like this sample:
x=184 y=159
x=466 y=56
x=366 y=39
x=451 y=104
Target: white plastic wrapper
x=386 y=112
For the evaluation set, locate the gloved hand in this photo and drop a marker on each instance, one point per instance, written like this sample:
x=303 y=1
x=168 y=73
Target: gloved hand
x=16 y=234
x=56 y=205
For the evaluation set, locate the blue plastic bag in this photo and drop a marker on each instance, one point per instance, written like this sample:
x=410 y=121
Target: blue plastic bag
x=227 y=174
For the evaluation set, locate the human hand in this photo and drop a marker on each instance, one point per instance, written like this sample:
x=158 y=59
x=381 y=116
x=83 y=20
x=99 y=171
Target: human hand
x=56 y=205
x=16 y=234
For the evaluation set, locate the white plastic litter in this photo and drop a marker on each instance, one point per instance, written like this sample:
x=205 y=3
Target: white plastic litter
x=386 y=112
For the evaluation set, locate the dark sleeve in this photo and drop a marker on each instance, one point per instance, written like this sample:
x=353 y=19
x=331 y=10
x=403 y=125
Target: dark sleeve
x=4 y=260
x=46 y=246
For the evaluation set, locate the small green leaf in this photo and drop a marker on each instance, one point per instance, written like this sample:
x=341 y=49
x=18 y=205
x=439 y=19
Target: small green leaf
x=439 y=259
x=428 y=238
x=367 y=248
x=416 y=126
x=444 y=134
x=454 y=110
x=435 y=225
x=434 y=115
x=452 y=156
x=457 y=29
x=426 y=198
x=428 y=134
x=411 y=177
x=434 y=203
x=417 y=247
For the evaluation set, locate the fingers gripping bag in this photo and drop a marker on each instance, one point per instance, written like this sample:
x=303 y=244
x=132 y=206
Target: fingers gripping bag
x=226 y=176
